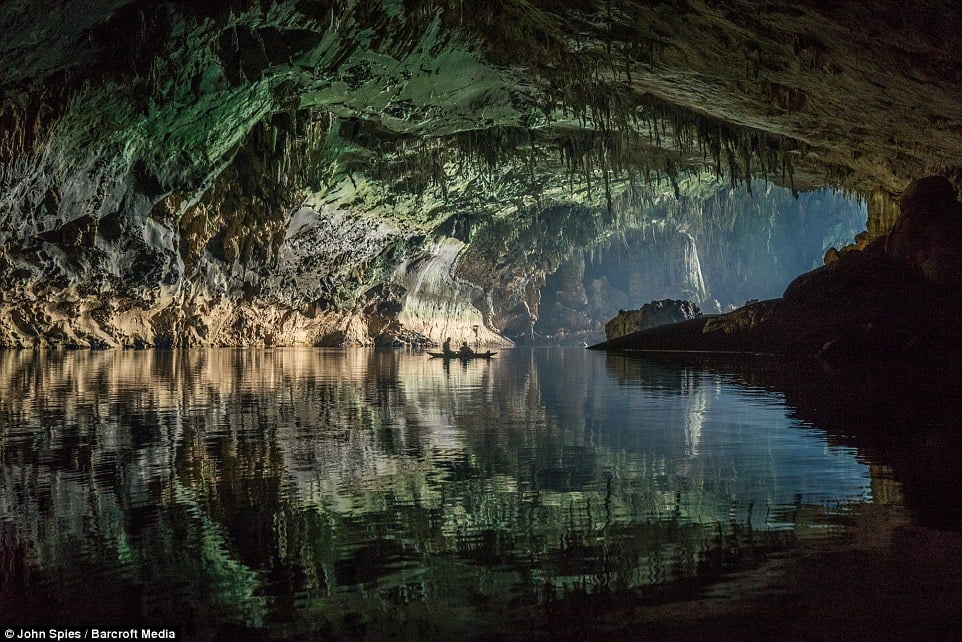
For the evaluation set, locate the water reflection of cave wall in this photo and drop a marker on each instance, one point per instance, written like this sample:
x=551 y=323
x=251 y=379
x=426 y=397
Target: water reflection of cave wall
x=321 y=470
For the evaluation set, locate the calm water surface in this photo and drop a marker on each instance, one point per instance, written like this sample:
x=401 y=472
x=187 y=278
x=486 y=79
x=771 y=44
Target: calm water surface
x=300 y=493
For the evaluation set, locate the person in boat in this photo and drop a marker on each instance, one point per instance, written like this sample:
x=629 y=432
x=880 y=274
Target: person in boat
x=465 y=351
x=446 y=346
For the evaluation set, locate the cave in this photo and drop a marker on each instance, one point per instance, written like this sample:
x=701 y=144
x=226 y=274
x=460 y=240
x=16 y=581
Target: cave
x=234 y=235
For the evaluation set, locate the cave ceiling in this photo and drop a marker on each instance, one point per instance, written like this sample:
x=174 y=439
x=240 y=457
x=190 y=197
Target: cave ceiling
x=210 y=123
x=859 y=95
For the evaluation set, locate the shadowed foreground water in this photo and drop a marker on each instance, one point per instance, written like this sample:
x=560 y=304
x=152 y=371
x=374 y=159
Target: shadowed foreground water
x=304 y=493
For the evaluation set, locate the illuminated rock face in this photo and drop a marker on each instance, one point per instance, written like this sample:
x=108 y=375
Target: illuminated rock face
x=127 y=287
x=157 y=159
x=438 y=306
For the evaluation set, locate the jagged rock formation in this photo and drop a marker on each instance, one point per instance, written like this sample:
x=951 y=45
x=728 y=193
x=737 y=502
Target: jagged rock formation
x=156 y=158
x=686 y=268
x=650 y=315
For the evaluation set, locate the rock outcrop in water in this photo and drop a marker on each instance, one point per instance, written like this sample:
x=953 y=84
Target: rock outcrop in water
x=650 y=315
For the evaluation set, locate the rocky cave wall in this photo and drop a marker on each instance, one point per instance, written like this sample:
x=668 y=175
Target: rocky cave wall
x=239 y=172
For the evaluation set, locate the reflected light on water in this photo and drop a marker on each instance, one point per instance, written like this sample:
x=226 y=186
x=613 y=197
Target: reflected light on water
x=314 y=491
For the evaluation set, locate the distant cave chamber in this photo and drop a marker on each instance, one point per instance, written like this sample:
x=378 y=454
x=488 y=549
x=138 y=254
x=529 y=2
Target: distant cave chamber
x=748 y=247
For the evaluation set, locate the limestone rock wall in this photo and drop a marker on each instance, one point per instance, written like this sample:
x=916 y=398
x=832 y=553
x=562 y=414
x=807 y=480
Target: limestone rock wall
x=114 y=283
x=685 y=269
x=717 y=248
x=889 y=316
x=927 y=237
x=883 y=211
x=437 y=305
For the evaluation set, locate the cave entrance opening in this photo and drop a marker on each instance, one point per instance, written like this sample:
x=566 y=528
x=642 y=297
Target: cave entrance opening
x=718 y=252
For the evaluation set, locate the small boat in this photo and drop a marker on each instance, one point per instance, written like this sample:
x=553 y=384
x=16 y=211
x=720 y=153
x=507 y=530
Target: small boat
x=465 y=357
